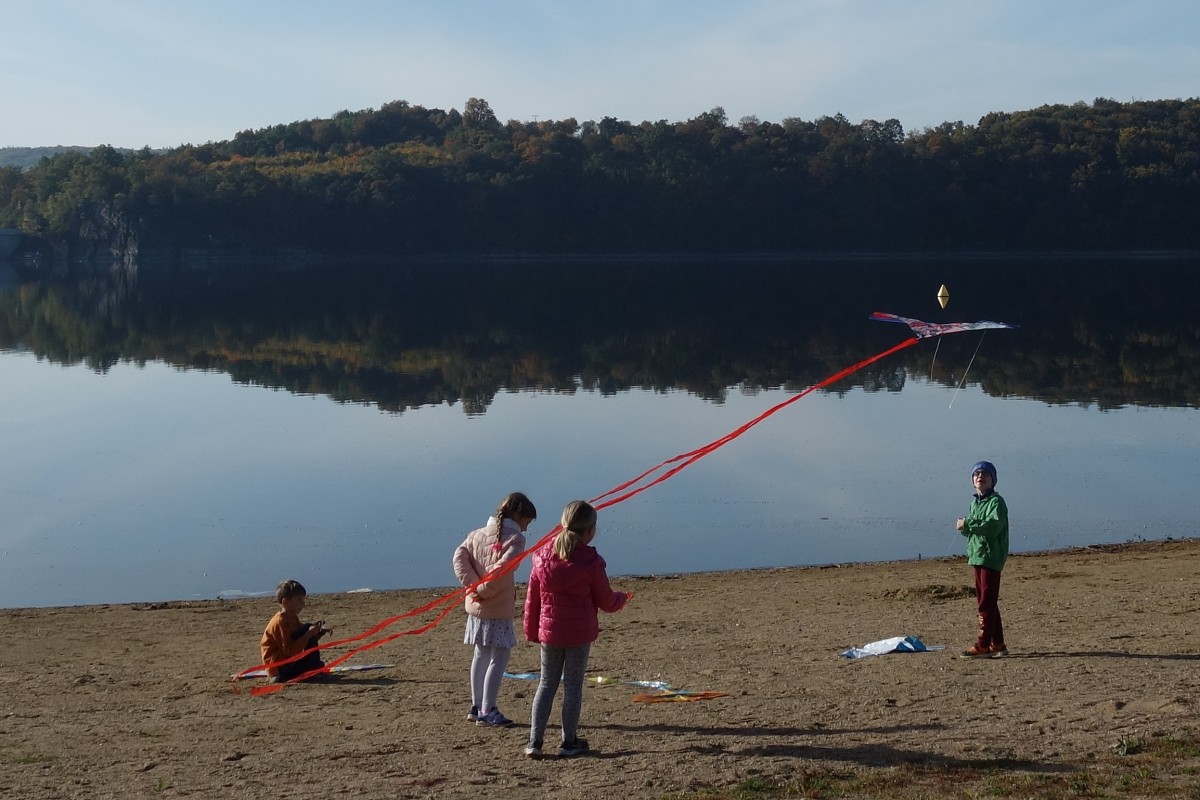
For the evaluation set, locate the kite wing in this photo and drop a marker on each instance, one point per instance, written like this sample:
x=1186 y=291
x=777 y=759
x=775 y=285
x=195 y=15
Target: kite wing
x=925 y=330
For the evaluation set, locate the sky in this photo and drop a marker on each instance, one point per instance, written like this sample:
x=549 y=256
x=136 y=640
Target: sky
x=162 y=73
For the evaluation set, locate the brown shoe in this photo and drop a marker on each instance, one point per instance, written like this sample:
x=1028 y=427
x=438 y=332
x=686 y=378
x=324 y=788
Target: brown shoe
x=975 y=651
x=998 y=650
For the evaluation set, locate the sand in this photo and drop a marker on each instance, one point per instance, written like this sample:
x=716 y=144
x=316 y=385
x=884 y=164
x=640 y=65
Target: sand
x=135 y=701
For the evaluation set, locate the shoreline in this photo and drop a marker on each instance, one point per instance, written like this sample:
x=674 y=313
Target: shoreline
x=133 y=700
x=267 y=595
x=272 y=259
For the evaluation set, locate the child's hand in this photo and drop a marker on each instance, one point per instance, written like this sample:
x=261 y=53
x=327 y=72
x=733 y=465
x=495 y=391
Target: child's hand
x=958 y=525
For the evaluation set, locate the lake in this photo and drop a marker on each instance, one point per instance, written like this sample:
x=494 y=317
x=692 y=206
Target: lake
x=178 y=436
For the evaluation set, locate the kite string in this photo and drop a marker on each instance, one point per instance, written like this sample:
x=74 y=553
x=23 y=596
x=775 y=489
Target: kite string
x=968 y=369
x=444 y=599
x=271 y=688
x=685 y=459
x=447 y=599
x=693 y=456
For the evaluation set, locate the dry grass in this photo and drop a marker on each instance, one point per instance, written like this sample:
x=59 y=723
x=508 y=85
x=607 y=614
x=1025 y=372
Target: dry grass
x=1155 y=766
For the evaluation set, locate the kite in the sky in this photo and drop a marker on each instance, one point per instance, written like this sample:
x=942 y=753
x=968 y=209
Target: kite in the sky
x=651 y=477
x=925 y=330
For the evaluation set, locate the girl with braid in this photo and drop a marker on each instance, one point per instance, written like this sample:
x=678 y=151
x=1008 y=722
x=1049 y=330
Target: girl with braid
x=490 y=606
x=567 y=584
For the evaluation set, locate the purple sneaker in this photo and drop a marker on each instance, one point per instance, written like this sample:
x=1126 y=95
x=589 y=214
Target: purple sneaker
x=493 y=719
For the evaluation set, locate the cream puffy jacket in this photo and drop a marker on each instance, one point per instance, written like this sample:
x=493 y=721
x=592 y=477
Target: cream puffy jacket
x=484 y=551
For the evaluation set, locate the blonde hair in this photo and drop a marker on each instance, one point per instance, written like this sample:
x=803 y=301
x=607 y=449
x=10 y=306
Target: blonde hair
x=577 y=519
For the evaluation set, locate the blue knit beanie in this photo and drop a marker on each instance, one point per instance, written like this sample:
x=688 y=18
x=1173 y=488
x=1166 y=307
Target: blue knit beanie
x=985 y=466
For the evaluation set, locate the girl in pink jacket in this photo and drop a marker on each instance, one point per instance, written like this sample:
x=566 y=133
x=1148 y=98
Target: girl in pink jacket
x=566 y=586
x=491 y=605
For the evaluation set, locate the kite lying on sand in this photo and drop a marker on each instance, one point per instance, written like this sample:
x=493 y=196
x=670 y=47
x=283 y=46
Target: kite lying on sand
x=676 y=696
x=896 y=644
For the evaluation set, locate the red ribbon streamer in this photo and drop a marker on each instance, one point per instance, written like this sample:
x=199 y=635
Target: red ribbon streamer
x=623 y=492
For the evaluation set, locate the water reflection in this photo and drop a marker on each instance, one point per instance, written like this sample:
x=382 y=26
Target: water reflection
x=143 y=473
x=407 y=336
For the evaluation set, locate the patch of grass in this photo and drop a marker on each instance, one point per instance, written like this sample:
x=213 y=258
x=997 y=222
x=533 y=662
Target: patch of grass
x=1079 y=785
x=1128 y=745
x=9 y=757
x=1157 y=766
x=752 y=788
x=935 y=592
x=1168 y=746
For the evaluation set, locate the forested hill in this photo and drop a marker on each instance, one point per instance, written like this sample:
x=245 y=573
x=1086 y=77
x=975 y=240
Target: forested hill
x=408 y=179
x=24 y=157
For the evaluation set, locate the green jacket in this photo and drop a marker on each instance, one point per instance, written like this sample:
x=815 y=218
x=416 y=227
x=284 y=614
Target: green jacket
x=986 y=529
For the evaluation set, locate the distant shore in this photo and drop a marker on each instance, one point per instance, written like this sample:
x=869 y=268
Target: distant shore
x=221 y=258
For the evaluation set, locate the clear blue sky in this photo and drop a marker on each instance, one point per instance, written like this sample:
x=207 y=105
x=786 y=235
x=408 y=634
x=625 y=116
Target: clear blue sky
x=168 y=72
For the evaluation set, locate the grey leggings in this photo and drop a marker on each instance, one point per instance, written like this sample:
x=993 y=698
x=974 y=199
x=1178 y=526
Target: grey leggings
x=568 y=665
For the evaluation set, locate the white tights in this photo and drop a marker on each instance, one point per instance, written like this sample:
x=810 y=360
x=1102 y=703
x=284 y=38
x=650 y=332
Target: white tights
x=487 y=670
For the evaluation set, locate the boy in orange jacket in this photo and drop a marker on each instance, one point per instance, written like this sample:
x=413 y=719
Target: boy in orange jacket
x=286 y=636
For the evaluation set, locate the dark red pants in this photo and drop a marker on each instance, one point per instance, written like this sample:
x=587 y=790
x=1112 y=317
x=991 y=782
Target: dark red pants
x=987 y=598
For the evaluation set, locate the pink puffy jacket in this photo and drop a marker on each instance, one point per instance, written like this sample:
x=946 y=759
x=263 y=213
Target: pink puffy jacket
x=562 y=598
x=483 y=552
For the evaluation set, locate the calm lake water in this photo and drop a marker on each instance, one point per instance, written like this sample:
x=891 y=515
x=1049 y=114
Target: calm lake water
x=178 y=437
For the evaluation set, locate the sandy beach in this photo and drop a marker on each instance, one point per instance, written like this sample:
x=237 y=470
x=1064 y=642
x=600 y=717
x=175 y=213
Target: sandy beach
x=135 y=700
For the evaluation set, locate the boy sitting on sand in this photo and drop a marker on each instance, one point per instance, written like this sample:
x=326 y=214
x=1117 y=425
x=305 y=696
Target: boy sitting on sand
x=286 y=636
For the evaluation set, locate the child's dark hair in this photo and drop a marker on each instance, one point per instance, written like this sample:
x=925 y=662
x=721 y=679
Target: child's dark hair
x=510 y=507
x=289 y=589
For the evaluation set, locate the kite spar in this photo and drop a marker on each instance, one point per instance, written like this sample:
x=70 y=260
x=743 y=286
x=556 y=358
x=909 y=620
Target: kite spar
x=618 y=494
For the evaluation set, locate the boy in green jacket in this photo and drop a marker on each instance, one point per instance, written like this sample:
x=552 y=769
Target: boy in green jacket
x=986 y=529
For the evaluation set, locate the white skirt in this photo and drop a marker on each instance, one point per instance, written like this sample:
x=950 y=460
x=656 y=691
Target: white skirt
x=490 y=632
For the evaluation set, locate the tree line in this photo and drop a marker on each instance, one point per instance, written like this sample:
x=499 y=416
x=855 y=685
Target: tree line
x=404 y=179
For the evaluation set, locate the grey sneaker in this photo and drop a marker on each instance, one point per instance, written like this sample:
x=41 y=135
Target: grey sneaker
x=534 y=750
x=575 y=748
x=473 y=714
